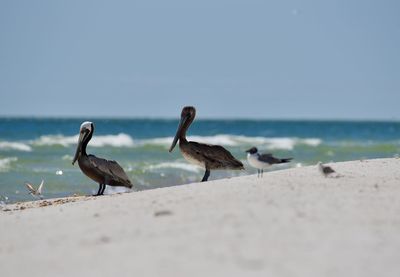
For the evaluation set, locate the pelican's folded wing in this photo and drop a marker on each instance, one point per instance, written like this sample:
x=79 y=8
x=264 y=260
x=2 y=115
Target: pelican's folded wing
x=215 y=155
x=111 y=169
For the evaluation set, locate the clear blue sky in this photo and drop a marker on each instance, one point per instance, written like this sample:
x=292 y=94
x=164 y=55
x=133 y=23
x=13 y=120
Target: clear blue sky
x=231 y=59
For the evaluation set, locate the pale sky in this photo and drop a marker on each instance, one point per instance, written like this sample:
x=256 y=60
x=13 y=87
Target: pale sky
x=231 y=59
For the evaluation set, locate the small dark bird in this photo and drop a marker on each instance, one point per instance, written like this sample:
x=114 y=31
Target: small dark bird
x=325 y=170
x=209 y=157
x=100 y=170
x=263 y=161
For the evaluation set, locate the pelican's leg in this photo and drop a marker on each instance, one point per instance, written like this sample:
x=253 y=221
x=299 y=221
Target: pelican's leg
x=103 y=189
x=258 y=173
x=262 y=172
x=98 y=192
x=206 y=175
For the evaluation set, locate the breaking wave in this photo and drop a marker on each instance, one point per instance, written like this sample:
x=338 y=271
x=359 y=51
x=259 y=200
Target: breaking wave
x=8 y=145
x=283 y=143
x=124 y=140
x=5 y=163
x=119 y=140
x=175 y=165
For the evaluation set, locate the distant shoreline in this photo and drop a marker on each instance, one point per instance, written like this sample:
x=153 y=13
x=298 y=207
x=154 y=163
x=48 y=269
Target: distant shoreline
x=199 y=118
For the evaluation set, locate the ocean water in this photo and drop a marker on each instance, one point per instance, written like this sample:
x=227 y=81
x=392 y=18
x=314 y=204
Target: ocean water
x=36 y=149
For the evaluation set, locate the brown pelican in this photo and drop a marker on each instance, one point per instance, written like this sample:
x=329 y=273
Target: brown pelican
x=102 y=171
x=205 y=155
x=263 y=161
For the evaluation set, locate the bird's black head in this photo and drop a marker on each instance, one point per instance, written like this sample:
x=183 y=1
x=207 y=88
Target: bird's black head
x=252 y=150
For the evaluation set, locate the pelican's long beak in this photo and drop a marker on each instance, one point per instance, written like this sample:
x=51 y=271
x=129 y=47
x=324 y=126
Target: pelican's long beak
x=178 y=132
x=79 y=147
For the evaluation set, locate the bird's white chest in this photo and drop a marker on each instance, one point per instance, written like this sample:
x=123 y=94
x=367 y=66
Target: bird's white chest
x=254 y=162
x=192 y=160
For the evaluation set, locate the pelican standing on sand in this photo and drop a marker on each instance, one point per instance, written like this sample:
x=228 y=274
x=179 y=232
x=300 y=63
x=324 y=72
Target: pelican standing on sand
x=207 y=156
x=100 y=170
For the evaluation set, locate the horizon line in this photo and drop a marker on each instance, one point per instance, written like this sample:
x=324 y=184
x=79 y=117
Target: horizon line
x=200 y=118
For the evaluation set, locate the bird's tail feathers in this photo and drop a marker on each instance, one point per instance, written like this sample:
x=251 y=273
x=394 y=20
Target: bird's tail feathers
x=286 y=160
x=129 y=185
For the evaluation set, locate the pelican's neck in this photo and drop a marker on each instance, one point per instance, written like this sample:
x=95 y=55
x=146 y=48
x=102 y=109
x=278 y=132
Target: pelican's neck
x=85 y=143
x=182 y=136
x=184 y=128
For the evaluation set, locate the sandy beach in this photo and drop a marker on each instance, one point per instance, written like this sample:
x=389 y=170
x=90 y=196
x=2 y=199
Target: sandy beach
x=291 y=222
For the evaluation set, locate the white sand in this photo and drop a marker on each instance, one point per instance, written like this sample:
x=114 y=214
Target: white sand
x=290 y=223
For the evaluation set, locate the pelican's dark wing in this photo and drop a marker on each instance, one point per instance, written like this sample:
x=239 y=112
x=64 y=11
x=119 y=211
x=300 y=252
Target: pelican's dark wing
x=111 y=170
x=214 y=156
x=268 y=158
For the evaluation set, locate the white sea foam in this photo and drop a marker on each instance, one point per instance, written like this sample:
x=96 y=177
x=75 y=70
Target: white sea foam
x=175 y=165
x=284 y=143
x=5 y=163
x=8 y=145
x=166 y=141
x=67 y=157
x=124 y=140
x=119 y=140
x=290 y=143
x=55 y=140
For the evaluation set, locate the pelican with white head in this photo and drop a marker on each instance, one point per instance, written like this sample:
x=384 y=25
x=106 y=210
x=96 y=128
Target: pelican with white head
x=104 y=172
